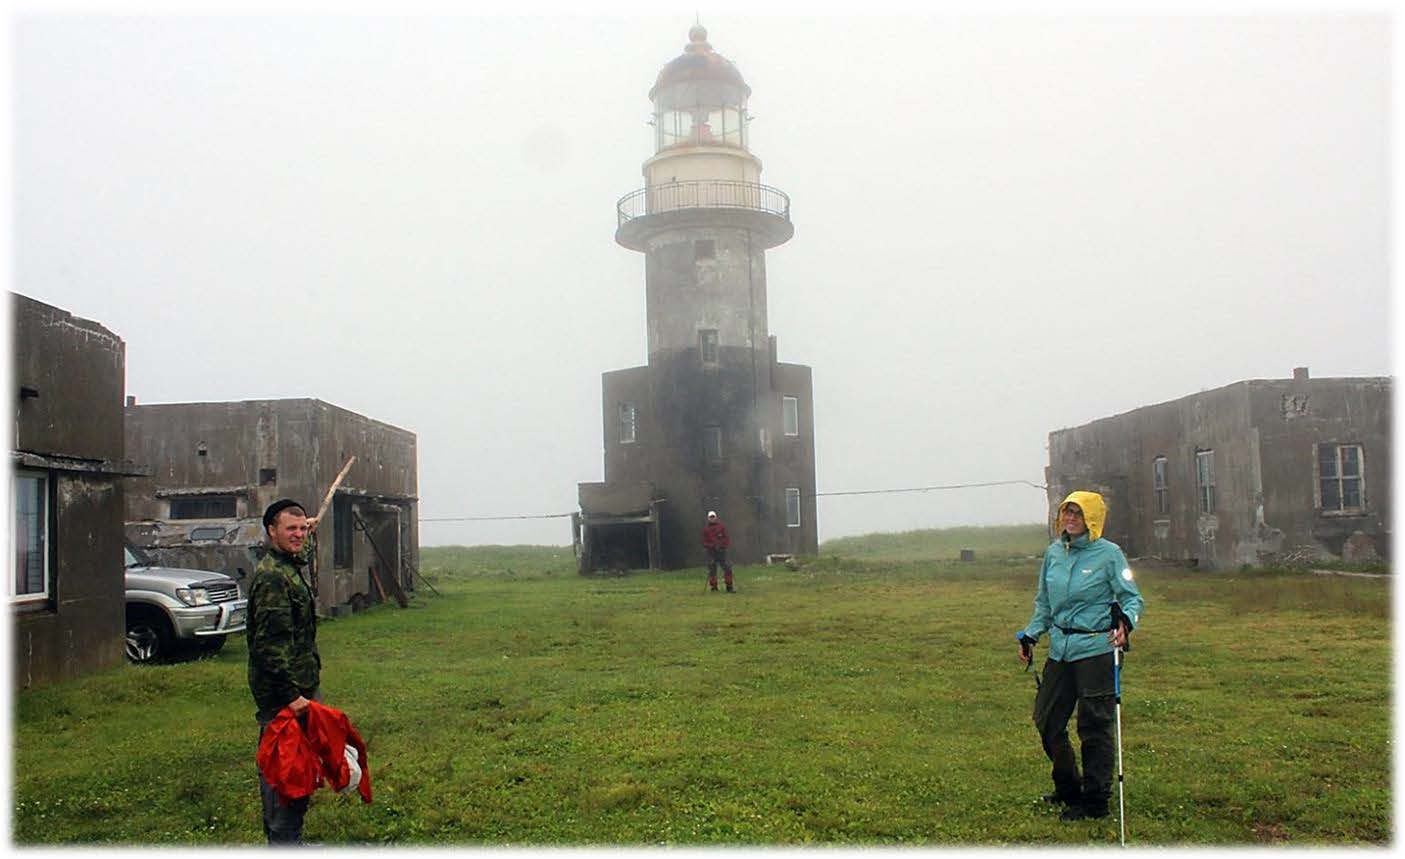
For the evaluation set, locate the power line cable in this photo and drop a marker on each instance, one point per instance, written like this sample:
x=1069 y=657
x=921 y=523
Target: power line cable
x=493 y=518
x=930 y=488
x=1038 y=486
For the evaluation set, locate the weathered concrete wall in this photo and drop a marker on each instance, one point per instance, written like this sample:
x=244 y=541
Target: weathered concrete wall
x=685 y=294
x=263 y=450
x=794 y=461
x=82 y=626
x=1263 y=473
x=77 y=368
x=1291 y=418
x=676 y=399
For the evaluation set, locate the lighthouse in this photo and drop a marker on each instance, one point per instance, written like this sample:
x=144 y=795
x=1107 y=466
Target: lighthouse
x=714 y=420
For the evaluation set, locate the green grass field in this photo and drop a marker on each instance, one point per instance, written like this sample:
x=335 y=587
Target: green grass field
x=868 y=699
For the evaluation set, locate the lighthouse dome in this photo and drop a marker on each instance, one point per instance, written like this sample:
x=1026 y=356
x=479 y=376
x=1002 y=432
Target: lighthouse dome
x=699 y=62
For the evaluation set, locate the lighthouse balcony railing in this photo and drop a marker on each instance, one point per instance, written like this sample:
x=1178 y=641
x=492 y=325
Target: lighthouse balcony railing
x=703 y=194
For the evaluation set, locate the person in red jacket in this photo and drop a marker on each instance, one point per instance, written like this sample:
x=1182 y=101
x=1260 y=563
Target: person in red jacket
x=716 y=541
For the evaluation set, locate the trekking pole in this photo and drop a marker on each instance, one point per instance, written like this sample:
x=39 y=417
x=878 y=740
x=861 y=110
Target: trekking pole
x=1118 y=620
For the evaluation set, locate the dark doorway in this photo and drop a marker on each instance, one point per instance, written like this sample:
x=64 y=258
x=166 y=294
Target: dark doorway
x=619 y=547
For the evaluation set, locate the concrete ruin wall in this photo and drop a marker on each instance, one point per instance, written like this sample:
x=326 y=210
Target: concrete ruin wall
x=1264 y=470
x=77 y=368
x=1292 y=417
x=263 y=450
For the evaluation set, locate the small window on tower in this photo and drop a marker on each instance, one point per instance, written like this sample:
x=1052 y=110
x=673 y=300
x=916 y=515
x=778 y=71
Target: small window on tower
x=628 y=423
x=704 y=249
x=712 y=443
x=707 y=345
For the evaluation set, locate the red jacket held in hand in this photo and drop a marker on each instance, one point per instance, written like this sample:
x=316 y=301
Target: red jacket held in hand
x=296 y=760
x=715 y=536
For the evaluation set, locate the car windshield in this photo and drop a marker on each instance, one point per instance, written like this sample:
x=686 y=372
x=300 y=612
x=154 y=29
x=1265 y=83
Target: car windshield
x=135 y=557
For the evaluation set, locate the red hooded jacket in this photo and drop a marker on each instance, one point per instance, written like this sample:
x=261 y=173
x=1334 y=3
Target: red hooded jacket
x=715 y=536
x=295 y=761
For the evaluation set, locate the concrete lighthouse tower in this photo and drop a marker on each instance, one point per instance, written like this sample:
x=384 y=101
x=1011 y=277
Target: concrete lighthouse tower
x=714 y=421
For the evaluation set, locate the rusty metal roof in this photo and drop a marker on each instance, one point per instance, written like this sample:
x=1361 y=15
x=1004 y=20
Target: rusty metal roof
x=699 y=62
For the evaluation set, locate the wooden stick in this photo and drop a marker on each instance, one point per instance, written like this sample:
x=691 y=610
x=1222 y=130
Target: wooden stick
x=327 y=500
x=376 y=580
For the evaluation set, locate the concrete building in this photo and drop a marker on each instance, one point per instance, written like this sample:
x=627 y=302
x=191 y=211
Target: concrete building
x=66 y=573
x=1250 y=473
x=216 y=466
x=714 y=421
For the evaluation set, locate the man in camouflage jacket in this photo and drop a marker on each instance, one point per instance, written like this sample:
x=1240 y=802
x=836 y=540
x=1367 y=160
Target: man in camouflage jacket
x=284 y=666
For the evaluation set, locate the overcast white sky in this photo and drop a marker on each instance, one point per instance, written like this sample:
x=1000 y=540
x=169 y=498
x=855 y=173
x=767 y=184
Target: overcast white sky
x=1004 y=226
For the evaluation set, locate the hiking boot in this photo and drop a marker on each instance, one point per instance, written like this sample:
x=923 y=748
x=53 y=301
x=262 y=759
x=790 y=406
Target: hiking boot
x=731 y=590
x=1085 y=811
x=713 y=588
x=1057 y=798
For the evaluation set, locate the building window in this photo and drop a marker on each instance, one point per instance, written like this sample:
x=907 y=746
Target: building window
x=1339 y=477
x=704 y=249
x=342 y=523
x=712 y=443
x=268 y=476
x=792 y=508
x=203 y=507
x=628 y=423
x=707 y=345
x=1205 y=479
x=29 y=575
x=1158 y=485
x=790 y=415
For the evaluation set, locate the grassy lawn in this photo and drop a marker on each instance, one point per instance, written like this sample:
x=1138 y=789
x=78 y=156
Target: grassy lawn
x=863 y=699
x=988 y=541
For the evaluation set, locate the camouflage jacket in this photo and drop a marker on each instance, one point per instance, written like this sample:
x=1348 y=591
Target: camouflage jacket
x=282 y=632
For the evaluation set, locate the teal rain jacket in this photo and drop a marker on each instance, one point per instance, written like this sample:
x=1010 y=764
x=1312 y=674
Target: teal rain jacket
x=1079 y=580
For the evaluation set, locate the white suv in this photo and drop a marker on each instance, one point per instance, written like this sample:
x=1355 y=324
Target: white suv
x=169 y=607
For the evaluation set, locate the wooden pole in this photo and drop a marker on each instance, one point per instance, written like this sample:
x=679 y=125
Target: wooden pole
x=376 y=580
x=327 y=499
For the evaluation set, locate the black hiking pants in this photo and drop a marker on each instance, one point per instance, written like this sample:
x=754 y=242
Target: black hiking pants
x=1087 y=684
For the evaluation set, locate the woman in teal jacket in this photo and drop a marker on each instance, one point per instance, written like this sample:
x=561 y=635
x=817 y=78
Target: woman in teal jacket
x=1082 y=576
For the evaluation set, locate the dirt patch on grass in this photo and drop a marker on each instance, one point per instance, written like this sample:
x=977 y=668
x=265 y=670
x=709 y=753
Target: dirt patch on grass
x=1269 y=833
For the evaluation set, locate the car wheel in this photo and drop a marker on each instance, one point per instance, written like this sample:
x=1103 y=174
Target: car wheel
x=149 y=637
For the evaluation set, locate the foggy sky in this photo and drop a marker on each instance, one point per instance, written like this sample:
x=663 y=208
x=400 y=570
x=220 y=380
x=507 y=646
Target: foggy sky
x=1003 y=226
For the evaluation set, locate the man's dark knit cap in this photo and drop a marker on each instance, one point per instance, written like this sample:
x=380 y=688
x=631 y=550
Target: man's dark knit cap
x=271 y=514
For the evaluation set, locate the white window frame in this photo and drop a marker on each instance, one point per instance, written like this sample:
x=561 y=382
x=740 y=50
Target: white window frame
x=45 y=482
x=631 y=423
x=716 y=347
x=1360 y=477
x=792 y=492
x=1160 y=498
x=712 y=443
x=790 y=415
x=1205 y=480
